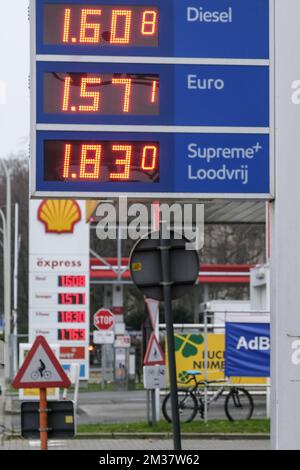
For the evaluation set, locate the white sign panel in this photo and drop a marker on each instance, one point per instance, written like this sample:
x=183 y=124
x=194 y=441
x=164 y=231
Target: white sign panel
x=59 y=278
x=155 y=377
x=103 y=337
x=122 y=342
x=120 y=328
x=285 y=231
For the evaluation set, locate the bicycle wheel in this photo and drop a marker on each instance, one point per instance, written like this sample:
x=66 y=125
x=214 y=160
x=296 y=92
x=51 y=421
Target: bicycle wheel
x=187 y=405
x=47 y=374
x=239 y=404
x=35 y=375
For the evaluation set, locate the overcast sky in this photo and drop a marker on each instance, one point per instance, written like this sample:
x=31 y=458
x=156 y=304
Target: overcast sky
x=14 y=71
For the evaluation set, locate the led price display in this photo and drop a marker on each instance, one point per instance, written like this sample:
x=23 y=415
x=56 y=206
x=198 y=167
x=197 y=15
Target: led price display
x=103 y=161
x=71 y=281
x=71 y=317
x=101 y=25
x=105 y=94
x=70 y=334
x=71 y=299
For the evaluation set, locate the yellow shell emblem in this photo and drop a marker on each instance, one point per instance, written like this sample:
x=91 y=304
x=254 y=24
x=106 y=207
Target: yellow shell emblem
x=59 y=216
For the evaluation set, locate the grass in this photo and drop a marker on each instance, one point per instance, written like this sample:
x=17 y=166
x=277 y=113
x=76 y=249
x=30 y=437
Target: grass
x=213 y=426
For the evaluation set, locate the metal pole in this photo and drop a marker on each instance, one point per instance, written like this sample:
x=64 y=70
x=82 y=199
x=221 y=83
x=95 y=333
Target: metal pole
x=148 y=408
x=2 y=379
x=43 y=419
x=205 y=365
x=155 y=214
x=165 y=247
x=157 y=390
x=153 y=404
x=103 y=365
x=5 y=282
x=7 y=288
x=268 y=399
x=76 y=392
x=15 y=300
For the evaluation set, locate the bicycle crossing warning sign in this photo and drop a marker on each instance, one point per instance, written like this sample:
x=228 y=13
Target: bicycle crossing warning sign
x=154 y=353
x=41 y=368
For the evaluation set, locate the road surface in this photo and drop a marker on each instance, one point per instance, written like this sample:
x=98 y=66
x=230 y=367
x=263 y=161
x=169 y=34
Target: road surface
x=124 y=407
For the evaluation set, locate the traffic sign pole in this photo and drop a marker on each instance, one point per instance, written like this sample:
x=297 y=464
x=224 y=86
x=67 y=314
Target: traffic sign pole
x=165 y=247
x=43 y=419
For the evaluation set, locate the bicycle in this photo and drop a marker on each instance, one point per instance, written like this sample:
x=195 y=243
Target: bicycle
x=45 y=375
x=238 y=402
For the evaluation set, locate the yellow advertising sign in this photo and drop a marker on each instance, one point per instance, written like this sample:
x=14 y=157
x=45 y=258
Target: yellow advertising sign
x=35 y=393
x=190 y=355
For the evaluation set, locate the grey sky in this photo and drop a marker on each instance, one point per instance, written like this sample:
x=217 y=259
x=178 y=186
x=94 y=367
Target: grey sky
x=14 y=71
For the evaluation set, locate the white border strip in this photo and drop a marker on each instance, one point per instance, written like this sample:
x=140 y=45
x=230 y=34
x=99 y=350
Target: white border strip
x=143 y=129
x=150 y=60
x=247 y=317
x=148 y=196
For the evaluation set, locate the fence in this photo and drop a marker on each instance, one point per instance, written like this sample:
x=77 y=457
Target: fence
x=215 y=322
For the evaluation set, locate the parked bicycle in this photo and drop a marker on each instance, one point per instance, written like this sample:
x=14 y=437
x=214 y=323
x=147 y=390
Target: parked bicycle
x=238 y=402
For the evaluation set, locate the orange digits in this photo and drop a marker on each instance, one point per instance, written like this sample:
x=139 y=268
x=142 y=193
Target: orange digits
x=154 y=91
x=67 y=161
x=127 y=82
x=149 y=22
x=67 y=25
x=84 y=26
x=126 y=162
x=66 y=97
x=94 y=162
x=90 y=94
x=125 y=38
x=149 y=149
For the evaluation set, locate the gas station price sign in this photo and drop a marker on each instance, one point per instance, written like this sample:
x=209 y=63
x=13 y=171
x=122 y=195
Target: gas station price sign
x=153 y=28
x=153 y=98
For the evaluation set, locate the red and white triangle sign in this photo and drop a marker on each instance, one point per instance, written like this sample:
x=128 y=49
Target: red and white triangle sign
x=153 y=310
x=154 y=354
x=41 y=368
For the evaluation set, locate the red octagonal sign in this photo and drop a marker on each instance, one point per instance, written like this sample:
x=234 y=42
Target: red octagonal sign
x=104 y=319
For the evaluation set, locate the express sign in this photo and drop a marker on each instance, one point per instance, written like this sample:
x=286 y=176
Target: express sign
x=104 y=319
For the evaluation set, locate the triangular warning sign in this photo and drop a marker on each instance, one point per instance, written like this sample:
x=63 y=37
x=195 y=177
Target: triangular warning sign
x=154 y=354
x=153 y=310
x=41 y=368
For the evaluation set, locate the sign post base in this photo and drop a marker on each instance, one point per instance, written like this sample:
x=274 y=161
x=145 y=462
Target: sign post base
x=43 y=419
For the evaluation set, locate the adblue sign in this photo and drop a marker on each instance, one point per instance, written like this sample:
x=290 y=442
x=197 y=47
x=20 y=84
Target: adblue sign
x=247 y=349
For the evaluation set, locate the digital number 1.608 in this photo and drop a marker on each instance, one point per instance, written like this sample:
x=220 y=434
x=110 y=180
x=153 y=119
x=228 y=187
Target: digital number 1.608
x=120 y=28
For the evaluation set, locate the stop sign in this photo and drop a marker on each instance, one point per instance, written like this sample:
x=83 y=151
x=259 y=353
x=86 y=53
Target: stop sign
x=104 y=319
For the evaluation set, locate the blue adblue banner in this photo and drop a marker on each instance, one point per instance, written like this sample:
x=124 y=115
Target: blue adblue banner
x=247 y=350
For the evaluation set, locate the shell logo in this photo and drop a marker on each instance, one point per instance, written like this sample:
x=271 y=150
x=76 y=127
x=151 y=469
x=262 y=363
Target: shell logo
x=59 y=216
